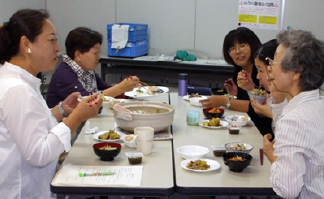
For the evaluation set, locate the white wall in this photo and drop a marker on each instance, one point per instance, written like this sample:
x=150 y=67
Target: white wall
x=173 y=24
x=9 y=7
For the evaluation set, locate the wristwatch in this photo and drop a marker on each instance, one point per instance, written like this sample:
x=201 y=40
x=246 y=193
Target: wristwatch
x=228 y=104
x=61 y=110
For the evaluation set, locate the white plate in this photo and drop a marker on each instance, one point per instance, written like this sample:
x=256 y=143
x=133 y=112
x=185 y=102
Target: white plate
x=223 y=123
x=186 y=97
x=135 y=94
x=96 y=137
x=212 y=163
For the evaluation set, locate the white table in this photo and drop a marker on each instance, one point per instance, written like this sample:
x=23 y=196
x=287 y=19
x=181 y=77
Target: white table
x=254 y=180
x=157 y=178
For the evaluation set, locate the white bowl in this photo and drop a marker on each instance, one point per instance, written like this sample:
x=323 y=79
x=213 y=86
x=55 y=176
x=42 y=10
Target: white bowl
x=195 y=100
x=230 y=147
x=238 y=120
x=192 y=151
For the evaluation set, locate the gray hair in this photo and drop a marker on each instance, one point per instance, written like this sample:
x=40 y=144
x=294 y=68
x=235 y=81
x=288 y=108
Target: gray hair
x=304 y=55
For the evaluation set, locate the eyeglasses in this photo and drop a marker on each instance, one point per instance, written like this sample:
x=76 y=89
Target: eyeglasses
x=235 y=49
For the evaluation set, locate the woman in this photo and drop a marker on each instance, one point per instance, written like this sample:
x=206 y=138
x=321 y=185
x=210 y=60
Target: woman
x=32 y=136
x=296 y=154
x=76 y=72
x=238 y=49
x=261 y=61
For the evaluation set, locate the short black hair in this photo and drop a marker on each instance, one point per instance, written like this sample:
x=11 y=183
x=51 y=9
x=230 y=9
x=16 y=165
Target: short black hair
x=240 y=35
x=268 y=49
x=81 y=39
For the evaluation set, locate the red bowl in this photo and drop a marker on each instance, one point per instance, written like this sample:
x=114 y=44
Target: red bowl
x=107 y=155
x=213 y=115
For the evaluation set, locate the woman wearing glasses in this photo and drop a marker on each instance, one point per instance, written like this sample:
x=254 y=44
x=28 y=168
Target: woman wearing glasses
x=296 y=154
x=76 y=72
x=238 y=49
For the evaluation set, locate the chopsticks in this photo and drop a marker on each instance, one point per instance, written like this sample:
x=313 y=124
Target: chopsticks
x=261 y=156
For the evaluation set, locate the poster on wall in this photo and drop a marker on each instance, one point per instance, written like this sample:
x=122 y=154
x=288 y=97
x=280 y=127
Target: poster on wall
x=263 y=14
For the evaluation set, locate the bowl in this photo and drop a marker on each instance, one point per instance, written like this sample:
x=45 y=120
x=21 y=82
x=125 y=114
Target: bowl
x=157 y=115
x=195 y=100
x=238 y=120
x=218 y=151
x=259 y=99
x=218 y=91
x=192 y=151
x=235 y=165
x=108 y=154
x=238 y=147
x=213 y=115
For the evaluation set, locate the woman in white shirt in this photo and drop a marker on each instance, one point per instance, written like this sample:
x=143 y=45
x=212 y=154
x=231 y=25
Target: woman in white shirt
x=296 y=154
x=32 y=136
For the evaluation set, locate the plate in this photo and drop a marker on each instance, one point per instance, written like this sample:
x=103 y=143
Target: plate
x=186 y=97
x=96 y=137
x=225 y=124
x=213 y=165
x=135 y=94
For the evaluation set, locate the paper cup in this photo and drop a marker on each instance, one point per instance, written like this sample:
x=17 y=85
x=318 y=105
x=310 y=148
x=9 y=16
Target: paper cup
x=145 y=140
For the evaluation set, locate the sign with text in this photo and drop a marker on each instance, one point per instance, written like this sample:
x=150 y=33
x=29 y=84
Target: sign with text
x=263 y=14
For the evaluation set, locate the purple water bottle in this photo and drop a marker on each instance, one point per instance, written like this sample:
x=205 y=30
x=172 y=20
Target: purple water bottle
x=182 y=84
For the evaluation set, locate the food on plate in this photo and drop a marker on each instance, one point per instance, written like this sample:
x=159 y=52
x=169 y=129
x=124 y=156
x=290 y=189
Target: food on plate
x=139 y=91
x=198 y=165
x=212 y=122
x=259 y=92
x=129 y=138
x=236 y=159
x=238 y=147
x=192 y=95
x=214 y=110
x=107 y=148
x=111 y=135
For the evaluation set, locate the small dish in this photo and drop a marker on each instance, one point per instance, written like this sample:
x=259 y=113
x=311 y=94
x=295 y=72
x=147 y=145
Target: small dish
x=96 y=137
x=237 y=147
x=218 y=151
x=238 y=120
x=195 y=100
x=217 y=114
x=107 y=151
x=223 y=123
x=192 y=151
x=214 y=165
x=134 y=157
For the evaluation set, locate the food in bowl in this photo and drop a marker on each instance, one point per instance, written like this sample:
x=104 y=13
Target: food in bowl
x=218 y=151
x=192 y=95
x=233 y=129
x=107 y=151
x=110 y=135
x=134 y=157
x=238 y=120
x=237 y=162
x=259 y=92
x=213 y=112
x=238 y=147
x=198 y=165
x=192 y=151
x=157 y=115
x=259 y=95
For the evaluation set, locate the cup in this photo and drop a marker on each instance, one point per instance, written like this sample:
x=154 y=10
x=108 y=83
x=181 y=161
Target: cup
x=131 y=141
x=145 y=139
x=192 y=117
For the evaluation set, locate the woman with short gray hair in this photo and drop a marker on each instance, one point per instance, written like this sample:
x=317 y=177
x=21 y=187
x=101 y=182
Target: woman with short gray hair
x=296 y=154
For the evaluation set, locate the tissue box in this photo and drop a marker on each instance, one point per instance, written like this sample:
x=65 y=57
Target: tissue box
x=136 y=32
x=132 y=49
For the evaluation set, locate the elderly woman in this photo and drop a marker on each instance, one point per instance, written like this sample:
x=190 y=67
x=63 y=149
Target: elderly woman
x=32 y=136
x=76 y=72
x=296 y=154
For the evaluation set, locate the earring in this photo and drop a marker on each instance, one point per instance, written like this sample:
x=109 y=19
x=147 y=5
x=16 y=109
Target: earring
x=29 y=51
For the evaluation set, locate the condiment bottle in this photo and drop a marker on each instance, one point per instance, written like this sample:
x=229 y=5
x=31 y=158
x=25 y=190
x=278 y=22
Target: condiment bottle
x=182 y=84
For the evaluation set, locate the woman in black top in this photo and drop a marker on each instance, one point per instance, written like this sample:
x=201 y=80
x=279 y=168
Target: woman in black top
x=238 y=49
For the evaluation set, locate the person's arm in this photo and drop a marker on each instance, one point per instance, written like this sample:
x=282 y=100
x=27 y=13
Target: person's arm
x=218 y=100
x=128 y=84
x=288 y=169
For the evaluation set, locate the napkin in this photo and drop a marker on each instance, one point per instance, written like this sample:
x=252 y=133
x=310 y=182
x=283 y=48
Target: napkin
x=119 y=36
x=89 y=130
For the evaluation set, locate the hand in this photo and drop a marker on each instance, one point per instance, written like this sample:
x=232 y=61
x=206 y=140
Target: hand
x=71 y=102
x=261 y=109
x=214 y=101
x=243 y=82
x=129 y=83
x=268 y=148
x=87 y=108
x=231 y=87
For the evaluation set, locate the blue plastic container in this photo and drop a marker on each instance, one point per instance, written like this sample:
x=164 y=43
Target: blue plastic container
x=136 y=32
x=132 y=49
